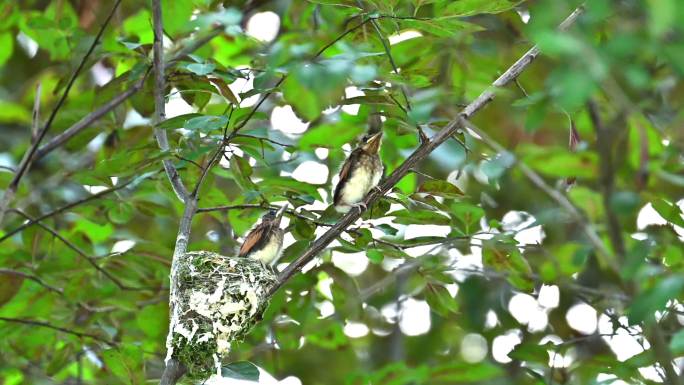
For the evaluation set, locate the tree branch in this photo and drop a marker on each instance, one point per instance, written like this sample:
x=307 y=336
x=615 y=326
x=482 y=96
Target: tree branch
x=608 y=259
x=418 y=155
x=173 y=369
x=66 y=207
x=91 y=118
x=32 y=278
x=26 y=161
x=604 y=148
x=43 y=324
x=159 y=107
x=85 y=256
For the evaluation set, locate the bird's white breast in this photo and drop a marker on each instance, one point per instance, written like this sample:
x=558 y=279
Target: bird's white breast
x=270 y=252
x=359 y=184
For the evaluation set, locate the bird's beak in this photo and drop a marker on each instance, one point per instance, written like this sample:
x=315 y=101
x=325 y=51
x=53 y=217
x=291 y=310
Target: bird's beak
x=373 y=144
x=279 y=214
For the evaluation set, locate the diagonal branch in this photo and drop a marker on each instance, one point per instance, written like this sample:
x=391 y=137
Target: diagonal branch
x=43 y=324
x=33 y=278
x=604 y=147
x=159 y=108
x=562 y=200
x=91 y=118
x=92 y=261
x=388 y=52
x=28 y=156
x=31 y=222
x=418 y=155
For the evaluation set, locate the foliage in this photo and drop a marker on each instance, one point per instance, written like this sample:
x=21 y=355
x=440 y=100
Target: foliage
x=83 y=293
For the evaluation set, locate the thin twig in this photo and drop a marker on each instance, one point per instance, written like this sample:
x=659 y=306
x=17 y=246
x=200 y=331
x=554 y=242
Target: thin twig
x=32 y=278
x=604 y=136
x=43 y=324
x=91 y=118
x=418 y=155
x=291 y=213
x=64 y=208
x=562 y=200
x=35 y=116
x=86 y=121
x=159 y=107
x=388 y=52
x=85 y=256
x=261 y=138
x=173 y=369
x=227 y=138
x=26 y=161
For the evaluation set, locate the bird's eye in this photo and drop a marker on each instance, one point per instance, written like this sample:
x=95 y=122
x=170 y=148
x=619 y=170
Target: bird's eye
x=272 y=211
x=365 y=138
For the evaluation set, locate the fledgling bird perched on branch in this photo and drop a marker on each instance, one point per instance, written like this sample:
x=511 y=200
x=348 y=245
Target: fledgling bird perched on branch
x=361 y=172
x=265 y=241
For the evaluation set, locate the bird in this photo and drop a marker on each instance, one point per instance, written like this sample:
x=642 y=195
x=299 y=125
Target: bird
x=360 y=173
x=264 y=242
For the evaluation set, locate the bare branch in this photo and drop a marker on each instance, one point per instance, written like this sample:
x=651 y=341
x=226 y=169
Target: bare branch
x=26 y=161
x=91 y=118
x=418 y=155
x=159 y=108
x=604 y=147
x=562 y=200
x=43 y=324
x=173 y=369
x=35 y=116
x=388 y=52
x=32 y=278
x=86 y=121
x=92 y=261
x=64 y=208
x=289 y=212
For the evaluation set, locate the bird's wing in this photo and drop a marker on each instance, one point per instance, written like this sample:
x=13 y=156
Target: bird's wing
x=345 y=174
x=255 y=238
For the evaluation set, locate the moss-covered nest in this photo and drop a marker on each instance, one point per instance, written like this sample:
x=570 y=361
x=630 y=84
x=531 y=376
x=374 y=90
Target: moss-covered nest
x=218 y=300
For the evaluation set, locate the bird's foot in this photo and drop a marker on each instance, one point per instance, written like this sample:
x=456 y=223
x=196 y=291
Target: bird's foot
x=360 y=206
x=377 y=189
x=422 y=136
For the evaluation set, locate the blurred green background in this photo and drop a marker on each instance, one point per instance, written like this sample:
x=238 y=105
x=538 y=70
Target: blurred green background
x=465 y=273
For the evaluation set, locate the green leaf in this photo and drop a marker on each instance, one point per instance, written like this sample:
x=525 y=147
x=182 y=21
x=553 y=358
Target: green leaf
x=670 y=211
x=153 y=320
x=440 y=300
x=96 y=232
x=655 y=298
x=6 y=47
x=375 y=256
x=177 y=121
x=121 y=213
x=474 y=7
x=176 y=16
x=460 y=372
x=125 y=363
x=13 y=113
x=330 y=135
x=304 y=101
x=241 y=370
x=206 y=123
x=440 y=188
x=201 y=69
x=677 y=343
x=406 y=217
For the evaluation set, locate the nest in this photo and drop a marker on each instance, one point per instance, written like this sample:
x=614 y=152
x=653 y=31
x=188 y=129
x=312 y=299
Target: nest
x=218 y=301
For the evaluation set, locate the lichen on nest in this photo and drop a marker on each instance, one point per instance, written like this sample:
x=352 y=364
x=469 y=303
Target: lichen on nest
x=218 y=301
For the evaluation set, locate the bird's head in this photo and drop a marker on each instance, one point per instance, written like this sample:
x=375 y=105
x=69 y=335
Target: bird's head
x=274 y=216
x=370 y=143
